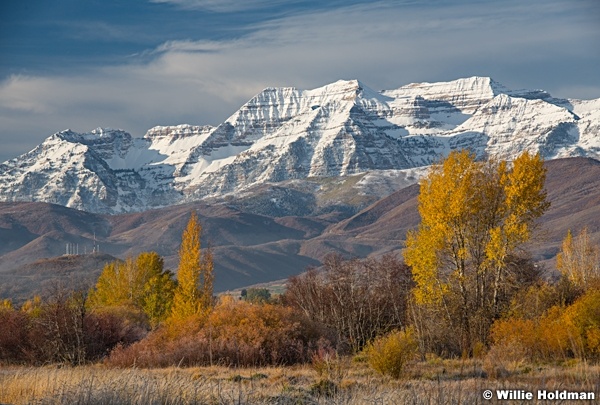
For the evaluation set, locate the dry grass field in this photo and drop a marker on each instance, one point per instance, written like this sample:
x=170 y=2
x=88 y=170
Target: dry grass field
x=431 y=382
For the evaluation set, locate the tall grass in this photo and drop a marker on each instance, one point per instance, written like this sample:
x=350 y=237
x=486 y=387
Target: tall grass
x=432 y=382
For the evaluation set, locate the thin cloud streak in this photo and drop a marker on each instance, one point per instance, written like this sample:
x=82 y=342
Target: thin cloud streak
x=225 y=6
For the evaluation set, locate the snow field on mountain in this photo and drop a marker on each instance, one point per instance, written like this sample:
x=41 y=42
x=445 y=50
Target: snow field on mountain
x=340 y=129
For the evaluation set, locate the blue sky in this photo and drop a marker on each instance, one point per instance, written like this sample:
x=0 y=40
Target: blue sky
x=134 y=64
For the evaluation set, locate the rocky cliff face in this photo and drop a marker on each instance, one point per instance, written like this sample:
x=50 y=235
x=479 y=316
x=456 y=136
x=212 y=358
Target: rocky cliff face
x=281 y=134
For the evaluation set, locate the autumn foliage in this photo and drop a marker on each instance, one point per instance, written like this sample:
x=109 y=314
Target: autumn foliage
x=561 y=333
x=236 y=333
x=389 y=354
x=555 y=322
x=475 y=216
x=468 y=288
x=139 y=288
x=579 y=260
x=194 y=293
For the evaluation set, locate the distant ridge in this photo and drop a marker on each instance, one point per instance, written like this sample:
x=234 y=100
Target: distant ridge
x=255 y=247
x=51 y=275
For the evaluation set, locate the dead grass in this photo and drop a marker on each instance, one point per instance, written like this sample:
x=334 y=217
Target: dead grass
x=430 y=382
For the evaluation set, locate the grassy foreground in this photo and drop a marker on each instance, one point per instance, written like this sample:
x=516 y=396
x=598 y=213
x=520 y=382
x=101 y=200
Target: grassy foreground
x=434 y=382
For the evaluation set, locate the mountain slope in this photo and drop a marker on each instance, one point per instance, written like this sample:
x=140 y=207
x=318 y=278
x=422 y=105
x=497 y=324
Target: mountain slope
x=573 y=187
x=286 y=134
x=251 y=248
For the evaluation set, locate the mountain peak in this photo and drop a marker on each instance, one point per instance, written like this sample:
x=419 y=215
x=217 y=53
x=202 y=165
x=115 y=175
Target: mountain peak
x=482 y=85
x=95 y=135
x=342 y=128
x=351 y=84
x=341 y=87
x=480 y=82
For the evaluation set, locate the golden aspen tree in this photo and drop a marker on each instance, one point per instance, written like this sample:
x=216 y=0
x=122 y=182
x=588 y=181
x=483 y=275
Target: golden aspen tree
x=524 y=201
x=193 y=295
x=109 y=289
x=119 y=284
x=141 y=285
x=158 y=287
x=579 y=259
x=474 y=218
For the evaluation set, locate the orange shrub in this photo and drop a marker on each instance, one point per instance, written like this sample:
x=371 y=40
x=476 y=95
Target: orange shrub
x=242 y=333
x=555 y=335
x=513 y=332
x=235 y=333
x=583 y=319
x=545 y=338
x=561 y=333
x=514 y=340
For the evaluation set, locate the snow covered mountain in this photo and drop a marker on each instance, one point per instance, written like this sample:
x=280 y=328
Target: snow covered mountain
x=341 y=129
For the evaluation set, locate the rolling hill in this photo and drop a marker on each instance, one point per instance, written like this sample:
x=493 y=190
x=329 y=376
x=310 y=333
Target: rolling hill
x=252 y=247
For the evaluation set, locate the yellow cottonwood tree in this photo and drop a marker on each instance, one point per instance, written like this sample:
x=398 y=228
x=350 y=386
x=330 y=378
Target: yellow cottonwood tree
x=159 y=285
x=139 y=284
x=579 y=259
x=193 y=295
x=115 y=286
x=474 y=218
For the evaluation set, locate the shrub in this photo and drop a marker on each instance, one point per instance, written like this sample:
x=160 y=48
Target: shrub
x=561 y=332
x=389 y=354
x=323 y=388
x=516 y=338
x=554 y=335
x=59 y=329
x=504 y=358
x=358 y=299
x=57 y=333
x=583 y=320
x=13 y=335
x=104 y=331
x=236 y=333
x=256 y=295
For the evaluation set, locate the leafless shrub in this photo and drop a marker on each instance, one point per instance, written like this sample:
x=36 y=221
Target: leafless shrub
x=358 y=299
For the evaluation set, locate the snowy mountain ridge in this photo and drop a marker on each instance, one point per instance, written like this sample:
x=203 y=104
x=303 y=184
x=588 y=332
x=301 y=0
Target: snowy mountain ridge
x=340 y=129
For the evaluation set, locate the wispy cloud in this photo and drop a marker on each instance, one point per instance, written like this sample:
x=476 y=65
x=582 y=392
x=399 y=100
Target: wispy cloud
x=189 y=46
x=226 y=6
